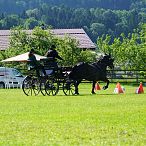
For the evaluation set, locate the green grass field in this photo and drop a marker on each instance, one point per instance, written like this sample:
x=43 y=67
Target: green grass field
x=104 y=119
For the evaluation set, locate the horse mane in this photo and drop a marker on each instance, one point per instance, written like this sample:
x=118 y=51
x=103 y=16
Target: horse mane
x=98 y=62
x=95 y=64
x=78 y=64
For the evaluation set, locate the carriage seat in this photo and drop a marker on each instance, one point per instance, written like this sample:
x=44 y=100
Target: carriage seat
x=50 y=66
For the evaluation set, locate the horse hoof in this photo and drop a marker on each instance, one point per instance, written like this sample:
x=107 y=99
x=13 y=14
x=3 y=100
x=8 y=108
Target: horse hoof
x=76 y=93
x=93 y=93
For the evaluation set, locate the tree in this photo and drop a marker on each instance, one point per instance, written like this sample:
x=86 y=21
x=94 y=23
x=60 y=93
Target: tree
x=71 y=54
x=69 y=51
x=121 y=28
x=41 y=40
x=97 y=29
x=129 y=52
x=21 y=42
x=31 y=23
x=110 y=19
x=11 y=21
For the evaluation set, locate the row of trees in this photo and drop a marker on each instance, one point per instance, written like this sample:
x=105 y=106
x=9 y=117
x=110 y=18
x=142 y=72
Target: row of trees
x=95 y=21
x=117 y=25
x=128 y=52
x=41 y=40
x=17 y=6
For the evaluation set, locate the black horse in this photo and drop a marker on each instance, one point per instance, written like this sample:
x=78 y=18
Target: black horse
x=92 y=72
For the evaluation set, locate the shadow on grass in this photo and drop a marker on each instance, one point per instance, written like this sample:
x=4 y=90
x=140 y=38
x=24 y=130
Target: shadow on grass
x=101 y=94
x=87 y=95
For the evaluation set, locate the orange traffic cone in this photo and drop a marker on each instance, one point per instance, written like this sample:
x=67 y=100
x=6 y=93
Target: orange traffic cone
x=97 y=87
x=140 y=89
x=118 y=89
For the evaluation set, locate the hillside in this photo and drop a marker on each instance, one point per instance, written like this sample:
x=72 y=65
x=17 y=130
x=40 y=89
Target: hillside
x=97 y=17
x=17 y=6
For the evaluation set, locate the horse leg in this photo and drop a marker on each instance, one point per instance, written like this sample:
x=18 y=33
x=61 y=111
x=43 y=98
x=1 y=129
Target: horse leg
x=93 y=87
x=76 y=87
x=106 y=86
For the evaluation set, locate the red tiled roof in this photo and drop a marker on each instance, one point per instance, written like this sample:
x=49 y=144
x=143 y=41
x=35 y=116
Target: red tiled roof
x=79 y=34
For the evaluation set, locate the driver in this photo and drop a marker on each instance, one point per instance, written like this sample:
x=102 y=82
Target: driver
x=53 y=54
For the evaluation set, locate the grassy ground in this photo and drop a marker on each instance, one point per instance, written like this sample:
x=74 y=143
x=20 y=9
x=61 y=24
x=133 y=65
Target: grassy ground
x=86 y=120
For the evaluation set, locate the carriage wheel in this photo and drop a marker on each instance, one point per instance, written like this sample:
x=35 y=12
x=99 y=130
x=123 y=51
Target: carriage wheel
x=42 y=86
x=52 y=87
x=31 y=86
x=68 y=87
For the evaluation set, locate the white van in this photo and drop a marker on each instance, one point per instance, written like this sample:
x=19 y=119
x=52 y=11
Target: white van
x=10 y=78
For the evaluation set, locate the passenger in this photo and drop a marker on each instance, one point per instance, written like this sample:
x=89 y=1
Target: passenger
x=34 y=64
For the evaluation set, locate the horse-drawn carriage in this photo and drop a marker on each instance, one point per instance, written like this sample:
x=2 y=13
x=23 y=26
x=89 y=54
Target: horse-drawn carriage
x=59 y=78
x=56 y=79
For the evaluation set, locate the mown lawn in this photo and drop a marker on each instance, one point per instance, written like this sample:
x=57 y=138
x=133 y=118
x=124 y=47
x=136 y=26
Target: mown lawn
x=86 y=120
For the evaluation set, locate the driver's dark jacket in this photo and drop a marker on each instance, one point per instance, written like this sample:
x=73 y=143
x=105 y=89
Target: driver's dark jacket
x=53 y=54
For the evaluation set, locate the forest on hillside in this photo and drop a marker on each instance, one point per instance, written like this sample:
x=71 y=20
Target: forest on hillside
x=17 y=6
x=97 y=17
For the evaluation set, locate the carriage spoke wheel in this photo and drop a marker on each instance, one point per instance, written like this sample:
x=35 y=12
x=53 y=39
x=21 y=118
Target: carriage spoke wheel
x=42 y=86
x=52 y=87
x=68 y=87
x=31 y=86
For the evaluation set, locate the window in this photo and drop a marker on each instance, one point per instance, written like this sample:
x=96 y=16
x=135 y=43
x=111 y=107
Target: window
x=16 y=73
